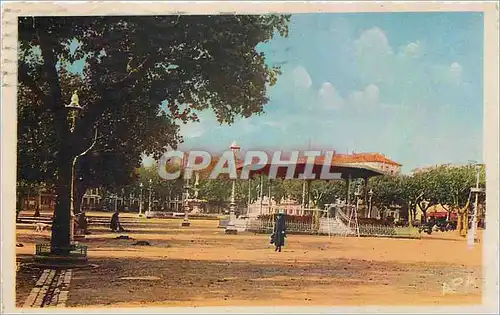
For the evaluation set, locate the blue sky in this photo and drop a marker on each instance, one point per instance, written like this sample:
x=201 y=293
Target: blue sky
x=408 y=85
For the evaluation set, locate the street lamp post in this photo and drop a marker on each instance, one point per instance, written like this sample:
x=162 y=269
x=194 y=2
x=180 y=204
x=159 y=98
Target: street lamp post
x=231 y=228
x=74 y=109
x=149 y=199
x=249 y=197
x=140 y=200
x=185 y=198
x=261 y=194
x=475 y=190
x=357 y=194
x=370 y=195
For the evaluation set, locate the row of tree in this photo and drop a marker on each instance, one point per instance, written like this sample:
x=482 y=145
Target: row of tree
x=448 y=186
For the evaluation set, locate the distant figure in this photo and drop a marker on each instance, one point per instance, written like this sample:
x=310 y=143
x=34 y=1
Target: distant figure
x=83 y=223
x=115 y=223
x=332 y=209
x=279 y=233
x=37 y=212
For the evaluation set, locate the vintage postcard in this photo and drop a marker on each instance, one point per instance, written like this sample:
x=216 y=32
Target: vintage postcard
x=249 y=157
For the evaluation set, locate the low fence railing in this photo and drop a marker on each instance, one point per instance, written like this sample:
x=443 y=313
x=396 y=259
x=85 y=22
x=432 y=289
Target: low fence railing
x=72 y=250
x=388 y=231
x=259 y=226
x=335 y=227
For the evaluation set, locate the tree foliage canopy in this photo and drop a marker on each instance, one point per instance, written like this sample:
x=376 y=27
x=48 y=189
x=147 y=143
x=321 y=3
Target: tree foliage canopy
x=445 y=185
x=129 y=67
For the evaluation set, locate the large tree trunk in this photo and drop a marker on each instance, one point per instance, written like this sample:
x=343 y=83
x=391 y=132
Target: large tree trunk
x=404 y=211
x=60 y=240
x=459 y=223
x=38 y=203
x=412 y=210
x=466 y=224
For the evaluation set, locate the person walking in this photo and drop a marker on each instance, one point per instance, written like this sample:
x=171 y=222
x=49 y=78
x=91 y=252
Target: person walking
x=279 y=232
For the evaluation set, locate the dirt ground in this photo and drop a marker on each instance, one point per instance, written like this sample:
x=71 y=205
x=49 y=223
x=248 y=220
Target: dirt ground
x=201 y=266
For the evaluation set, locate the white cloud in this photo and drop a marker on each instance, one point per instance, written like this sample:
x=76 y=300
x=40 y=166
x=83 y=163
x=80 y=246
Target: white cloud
x=367 y=97
x=447 y=74
x=301 y=78
x=412 y=49
x=207 y=122
x=373 y=42
x=371 y=94
x=409 y=74
x=356 y=97
x=455 y=73
x=329 y=97
x=456 y=69
x=373 y=55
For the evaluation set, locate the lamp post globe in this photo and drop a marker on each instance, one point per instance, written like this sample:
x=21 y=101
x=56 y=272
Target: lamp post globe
x=74 y=110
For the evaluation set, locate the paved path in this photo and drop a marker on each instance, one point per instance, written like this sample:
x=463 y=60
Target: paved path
x=51 y=290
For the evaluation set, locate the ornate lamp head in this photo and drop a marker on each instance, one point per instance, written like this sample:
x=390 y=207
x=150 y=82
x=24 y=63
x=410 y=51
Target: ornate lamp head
x=74 y=109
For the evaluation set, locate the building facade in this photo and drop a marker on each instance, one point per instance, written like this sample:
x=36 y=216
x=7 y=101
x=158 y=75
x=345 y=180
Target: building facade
x=269 y=206
x=92 y=199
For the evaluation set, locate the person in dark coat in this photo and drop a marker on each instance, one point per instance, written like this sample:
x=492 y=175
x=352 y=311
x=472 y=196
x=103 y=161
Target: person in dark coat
x=115 y=223
x=279 y=232
x=83 y=223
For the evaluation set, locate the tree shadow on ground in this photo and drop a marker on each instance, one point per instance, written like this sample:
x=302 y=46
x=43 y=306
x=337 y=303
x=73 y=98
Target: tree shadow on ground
x=109 y=241
x=198 y=280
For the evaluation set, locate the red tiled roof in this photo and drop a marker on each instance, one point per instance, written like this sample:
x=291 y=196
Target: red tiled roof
x=363 y=157
x=337 y=158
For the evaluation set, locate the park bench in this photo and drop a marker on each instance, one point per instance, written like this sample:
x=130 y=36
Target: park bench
x=31 y=220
